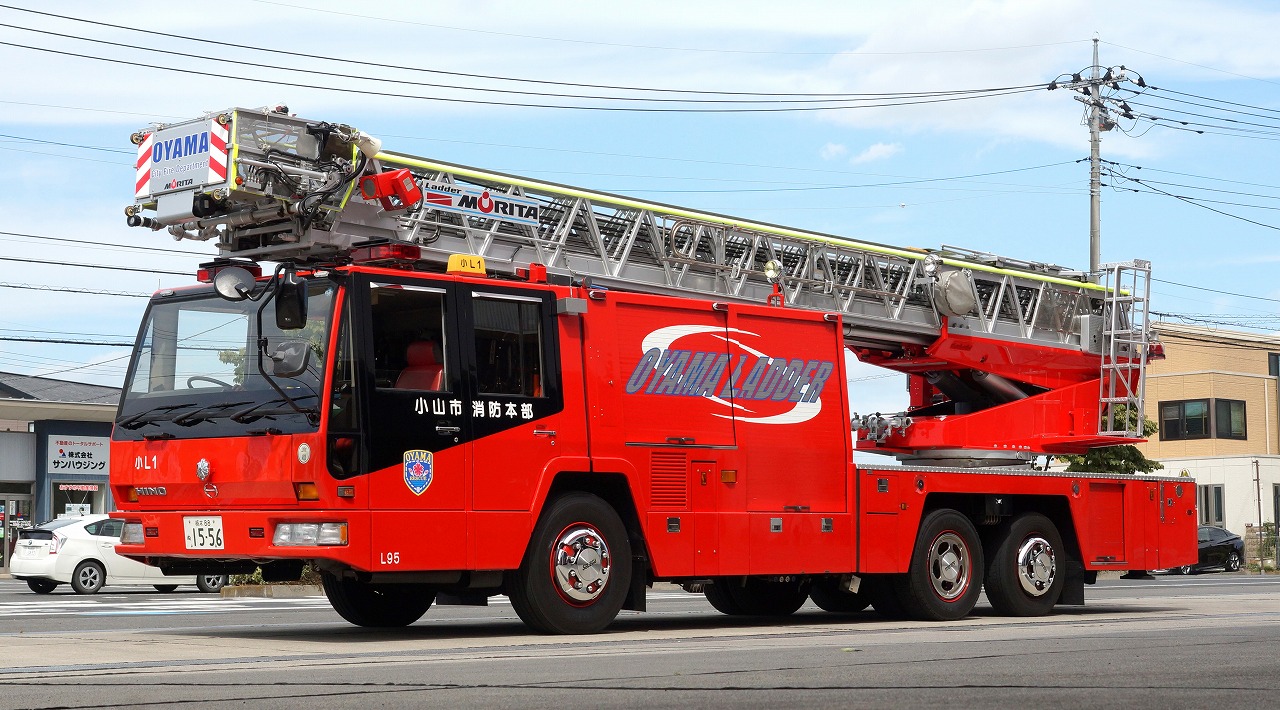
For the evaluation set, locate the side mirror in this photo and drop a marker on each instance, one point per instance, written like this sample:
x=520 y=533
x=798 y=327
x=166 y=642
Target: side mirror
x=291 y=303
x=290 y=358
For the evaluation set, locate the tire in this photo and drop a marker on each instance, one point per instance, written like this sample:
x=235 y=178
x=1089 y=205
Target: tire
x=882 y=590
x=945 y=576
x=828 y=596
x=166 y=588
x=1025 y=567
x=88 y=577
x=577 y=569
x=724 y=602
x=1186 y=569
x=751 y=596
x=1233 y=562
x=377 y=605
x=213 y=583
x=41 y=586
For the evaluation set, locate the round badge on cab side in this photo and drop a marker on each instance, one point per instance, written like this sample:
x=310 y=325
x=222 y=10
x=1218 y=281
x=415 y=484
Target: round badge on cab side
x=304 y=453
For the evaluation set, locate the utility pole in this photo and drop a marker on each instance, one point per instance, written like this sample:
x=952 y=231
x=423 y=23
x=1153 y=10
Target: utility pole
x=1095 y=167
x=1262 y=531
x=1098 y=116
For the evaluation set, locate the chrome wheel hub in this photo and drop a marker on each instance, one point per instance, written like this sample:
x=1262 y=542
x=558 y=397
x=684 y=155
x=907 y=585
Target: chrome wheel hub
x=580 y=563
x=949 y=566
x=1037 y=566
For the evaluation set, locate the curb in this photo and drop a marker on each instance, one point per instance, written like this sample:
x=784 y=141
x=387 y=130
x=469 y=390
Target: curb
x=274 y=591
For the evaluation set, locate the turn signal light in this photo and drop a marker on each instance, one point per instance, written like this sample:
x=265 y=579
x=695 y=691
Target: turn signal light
x=131 y=495
x=306 y=491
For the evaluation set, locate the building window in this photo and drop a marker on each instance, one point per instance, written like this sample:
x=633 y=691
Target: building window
x=1229 y=419
x=1211 y=505
x=1184 y=420
x=1273 y=364
x=1202 y=419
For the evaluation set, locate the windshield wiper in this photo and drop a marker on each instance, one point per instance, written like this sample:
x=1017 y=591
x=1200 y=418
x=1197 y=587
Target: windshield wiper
x=148 y=416
x=196 y=416
x=260 y=410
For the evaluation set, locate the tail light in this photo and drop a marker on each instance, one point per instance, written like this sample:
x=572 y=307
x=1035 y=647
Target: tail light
x=55 y=544
x=132 y=534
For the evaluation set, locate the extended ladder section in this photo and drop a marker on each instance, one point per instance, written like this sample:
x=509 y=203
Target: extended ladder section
x=1123 y=333
x=269 y=186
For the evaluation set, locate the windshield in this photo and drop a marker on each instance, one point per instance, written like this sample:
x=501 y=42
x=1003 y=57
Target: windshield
x=195 y=370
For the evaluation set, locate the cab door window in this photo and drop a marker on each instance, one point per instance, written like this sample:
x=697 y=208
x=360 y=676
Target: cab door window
x=408 y=337
x=508 y=345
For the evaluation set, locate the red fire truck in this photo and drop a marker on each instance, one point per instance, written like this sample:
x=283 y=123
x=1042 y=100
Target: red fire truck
x=451 y=383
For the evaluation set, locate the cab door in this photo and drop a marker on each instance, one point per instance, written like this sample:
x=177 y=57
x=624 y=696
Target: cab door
x=416 y=423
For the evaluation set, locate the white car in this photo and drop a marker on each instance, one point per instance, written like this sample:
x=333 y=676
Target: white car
x=82 y=552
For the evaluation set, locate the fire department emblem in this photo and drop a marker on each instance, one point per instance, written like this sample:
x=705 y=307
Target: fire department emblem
x=417 y=470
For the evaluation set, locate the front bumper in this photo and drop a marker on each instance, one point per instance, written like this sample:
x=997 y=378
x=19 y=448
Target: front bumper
x=247 y=536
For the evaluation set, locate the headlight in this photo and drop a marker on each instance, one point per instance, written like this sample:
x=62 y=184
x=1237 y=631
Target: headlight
x=309 y=534
x=132 y=534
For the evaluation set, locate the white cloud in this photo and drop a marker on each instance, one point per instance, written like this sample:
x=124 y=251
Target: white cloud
x=832 y=151
x=877 y=151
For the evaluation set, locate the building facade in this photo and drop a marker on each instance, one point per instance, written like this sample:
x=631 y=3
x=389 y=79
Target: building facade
x=55 y=441
x=1216 y=399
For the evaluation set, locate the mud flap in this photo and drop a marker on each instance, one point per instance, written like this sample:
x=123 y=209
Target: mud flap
x=1073 y=585
x=636 y=600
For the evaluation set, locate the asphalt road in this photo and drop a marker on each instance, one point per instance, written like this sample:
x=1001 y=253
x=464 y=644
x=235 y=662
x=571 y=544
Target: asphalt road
x=1205 y=640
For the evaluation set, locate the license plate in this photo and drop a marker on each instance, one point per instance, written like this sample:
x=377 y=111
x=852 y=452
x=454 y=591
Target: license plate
x=203 y=533
x=26 y=553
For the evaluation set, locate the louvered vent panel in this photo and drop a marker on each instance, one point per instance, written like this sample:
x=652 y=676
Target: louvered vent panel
x=669 y=480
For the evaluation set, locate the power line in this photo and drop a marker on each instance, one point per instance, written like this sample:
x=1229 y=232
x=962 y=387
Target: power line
x=67 y=240
x=574 y=107
x=307 y=55
x=1214 y=290
x=68 y=145
x=61 y=341
x=1193 y=64
x=68 y=289
x=95 y=266
x=643 y=46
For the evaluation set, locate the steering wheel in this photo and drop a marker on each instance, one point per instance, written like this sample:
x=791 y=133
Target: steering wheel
x=202 y=378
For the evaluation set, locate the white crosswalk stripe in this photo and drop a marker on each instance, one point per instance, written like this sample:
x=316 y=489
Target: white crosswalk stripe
x=133 y=605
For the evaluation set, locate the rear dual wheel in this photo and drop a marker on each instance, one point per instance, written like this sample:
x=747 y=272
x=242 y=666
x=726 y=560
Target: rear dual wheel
x=828 y=596
x=577 y=569
x=1024 y=573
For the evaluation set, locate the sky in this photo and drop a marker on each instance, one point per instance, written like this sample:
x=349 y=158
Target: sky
x=1005 y=172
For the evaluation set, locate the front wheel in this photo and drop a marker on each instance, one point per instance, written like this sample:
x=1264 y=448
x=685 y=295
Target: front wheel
x=376 y=605
x=1024 y=576
x=88 y=577
x=41 y=586
x=945 y=576
x=577 y=569
x=1233 y=562
x=211 y=583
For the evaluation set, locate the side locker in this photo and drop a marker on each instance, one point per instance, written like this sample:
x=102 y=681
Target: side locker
x=1177 y=521
x=879 y=527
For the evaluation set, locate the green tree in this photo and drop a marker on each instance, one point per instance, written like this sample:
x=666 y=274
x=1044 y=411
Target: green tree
x=1115 y=459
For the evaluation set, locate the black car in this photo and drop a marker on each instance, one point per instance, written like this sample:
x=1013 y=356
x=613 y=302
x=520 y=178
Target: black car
x=1218 y=548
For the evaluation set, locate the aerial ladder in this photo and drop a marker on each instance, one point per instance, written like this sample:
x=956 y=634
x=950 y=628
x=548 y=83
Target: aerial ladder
x=1006 y=359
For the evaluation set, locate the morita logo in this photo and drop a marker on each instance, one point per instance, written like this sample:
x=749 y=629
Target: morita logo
x=486 y=203
x=180 y=147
